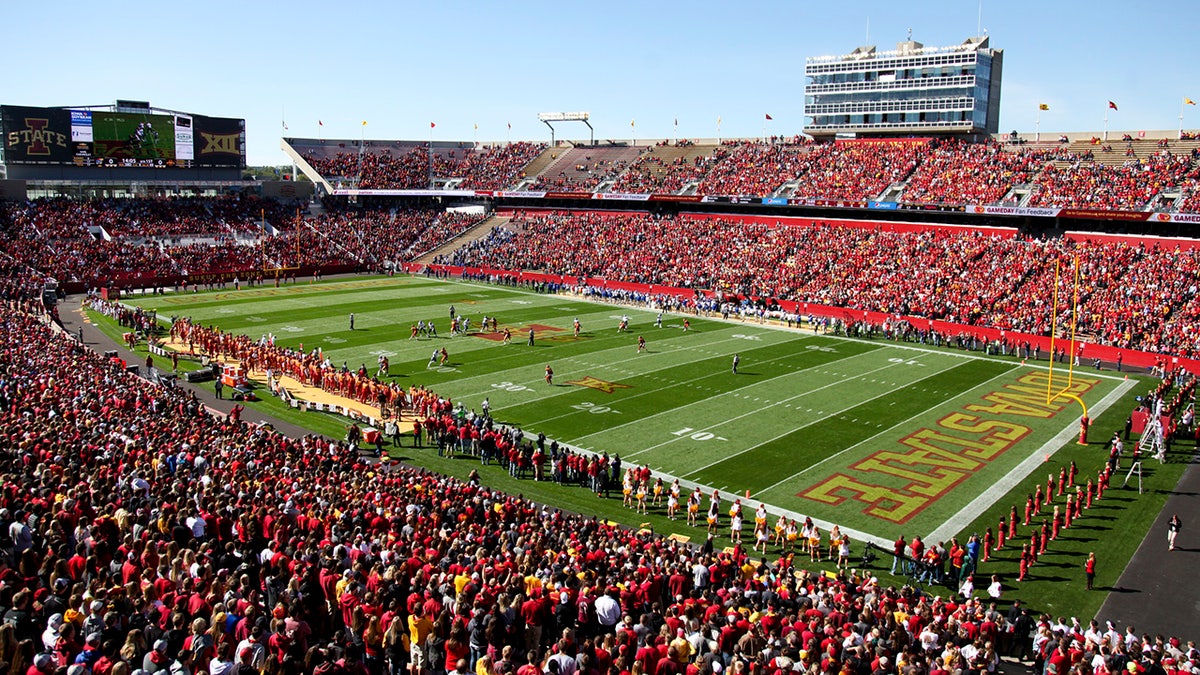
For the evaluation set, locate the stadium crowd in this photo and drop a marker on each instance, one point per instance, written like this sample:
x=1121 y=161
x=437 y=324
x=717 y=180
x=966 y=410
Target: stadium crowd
x=1094 y=185
x=1134 y=297
x=754 y=169
x=407 y=167
x=141 y=238
x=650 y=174
x=144 y=533
x=928 y=171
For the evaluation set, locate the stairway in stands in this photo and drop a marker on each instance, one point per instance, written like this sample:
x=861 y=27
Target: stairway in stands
x=481 y=230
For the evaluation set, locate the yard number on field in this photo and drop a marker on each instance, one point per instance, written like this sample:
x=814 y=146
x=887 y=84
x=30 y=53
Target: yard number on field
x=907 y=362
x=594 y=409
x=741 y=336
x=697 y=435
x=510 y=386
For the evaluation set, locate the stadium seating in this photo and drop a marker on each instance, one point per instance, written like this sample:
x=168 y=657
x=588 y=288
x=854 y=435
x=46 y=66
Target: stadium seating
x=406 y=165
x=964 y=277
x=666 y=169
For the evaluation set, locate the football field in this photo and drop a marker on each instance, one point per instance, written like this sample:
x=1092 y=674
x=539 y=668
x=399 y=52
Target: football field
x=879 y=437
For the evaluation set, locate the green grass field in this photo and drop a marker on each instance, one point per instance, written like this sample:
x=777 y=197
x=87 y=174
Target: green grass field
x=878 y=437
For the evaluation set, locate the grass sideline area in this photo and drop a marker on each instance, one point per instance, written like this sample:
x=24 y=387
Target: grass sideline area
x=803 y=410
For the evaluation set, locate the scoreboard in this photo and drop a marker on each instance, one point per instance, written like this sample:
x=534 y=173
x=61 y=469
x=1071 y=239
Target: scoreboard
x=62 y=136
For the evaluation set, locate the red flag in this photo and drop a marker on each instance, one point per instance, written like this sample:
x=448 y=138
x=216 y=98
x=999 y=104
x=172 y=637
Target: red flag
x=769 y=117
x=1112 y=105
x=320 y=123
x=432 y=125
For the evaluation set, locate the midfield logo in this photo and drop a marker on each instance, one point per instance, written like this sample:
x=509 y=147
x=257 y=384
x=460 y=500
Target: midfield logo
x=598 y=384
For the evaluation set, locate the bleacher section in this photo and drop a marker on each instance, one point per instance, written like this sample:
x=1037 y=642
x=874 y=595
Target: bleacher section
x=582 y=169
x=666 y=169
x=406 y=165
x=1131 y=175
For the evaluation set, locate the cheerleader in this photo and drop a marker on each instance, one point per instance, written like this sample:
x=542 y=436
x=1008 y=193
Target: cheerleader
x=735 y=527
x=814 y=543
x=761 y=536
x=672 y=504
x=780 y=525
x=693 y=508
x=658 y=491
x=627 y=488
x=641 y=497
x=835 y=538
x=713 y=512
x=790 y=534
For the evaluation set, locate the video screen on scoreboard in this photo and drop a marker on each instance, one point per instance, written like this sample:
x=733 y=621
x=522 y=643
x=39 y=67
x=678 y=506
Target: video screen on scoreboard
x=124 y=139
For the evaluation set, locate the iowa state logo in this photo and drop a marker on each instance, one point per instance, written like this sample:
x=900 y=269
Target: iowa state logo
x=219 y=144
x=36 y=137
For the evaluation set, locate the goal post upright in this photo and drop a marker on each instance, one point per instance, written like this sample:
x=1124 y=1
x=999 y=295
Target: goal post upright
x=1066 y=392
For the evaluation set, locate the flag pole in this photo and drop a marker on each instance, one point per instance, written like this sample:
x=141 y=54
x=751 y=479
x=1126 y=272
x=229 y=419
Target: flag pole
x=1037 y=125
x=1106 y=124
x=718 y=129
x=1181 y=107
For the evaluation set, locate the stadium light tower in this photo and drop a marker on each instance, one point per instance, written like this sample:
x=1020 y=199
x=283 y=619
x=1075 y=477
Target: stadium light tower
x=547 y=118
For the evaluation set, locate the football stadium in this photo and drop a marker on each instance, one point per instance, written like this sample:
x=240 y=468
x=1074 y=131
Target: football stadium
x=893 y=392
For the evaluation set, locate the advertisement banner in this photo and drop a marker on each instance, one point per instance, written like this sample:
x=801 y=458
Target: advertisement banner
x=36 y=135
x=218 y=141
x=886 y=206
x=81 y=126
x=625 y=196
x=774 y=201
x=521 y=194
x=1193 y=218
x=1014 y=211
x=882 y=141
x=184 y=152
x=372 y=192
x=1101 y=214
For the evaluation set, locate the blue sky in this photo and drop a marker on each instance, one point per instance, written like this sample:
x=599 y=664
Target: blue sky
x=401 y=65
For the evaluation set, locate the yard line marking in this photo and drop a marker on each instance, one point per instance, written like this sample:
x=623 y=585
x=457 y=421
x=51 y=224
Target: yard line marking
x=543 y=397
x=806 y=426
x=959 y=521
x=894 y=426
x=732 y=392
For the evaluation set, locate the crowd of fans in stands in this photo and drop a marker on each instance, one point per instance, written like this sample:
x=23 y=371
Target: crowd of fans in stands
x=651 y=175
x=1132 y=297
x=934 y=171
x=1097 y=186
x=141 y=238
x=408 y=167
x=140 y=532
